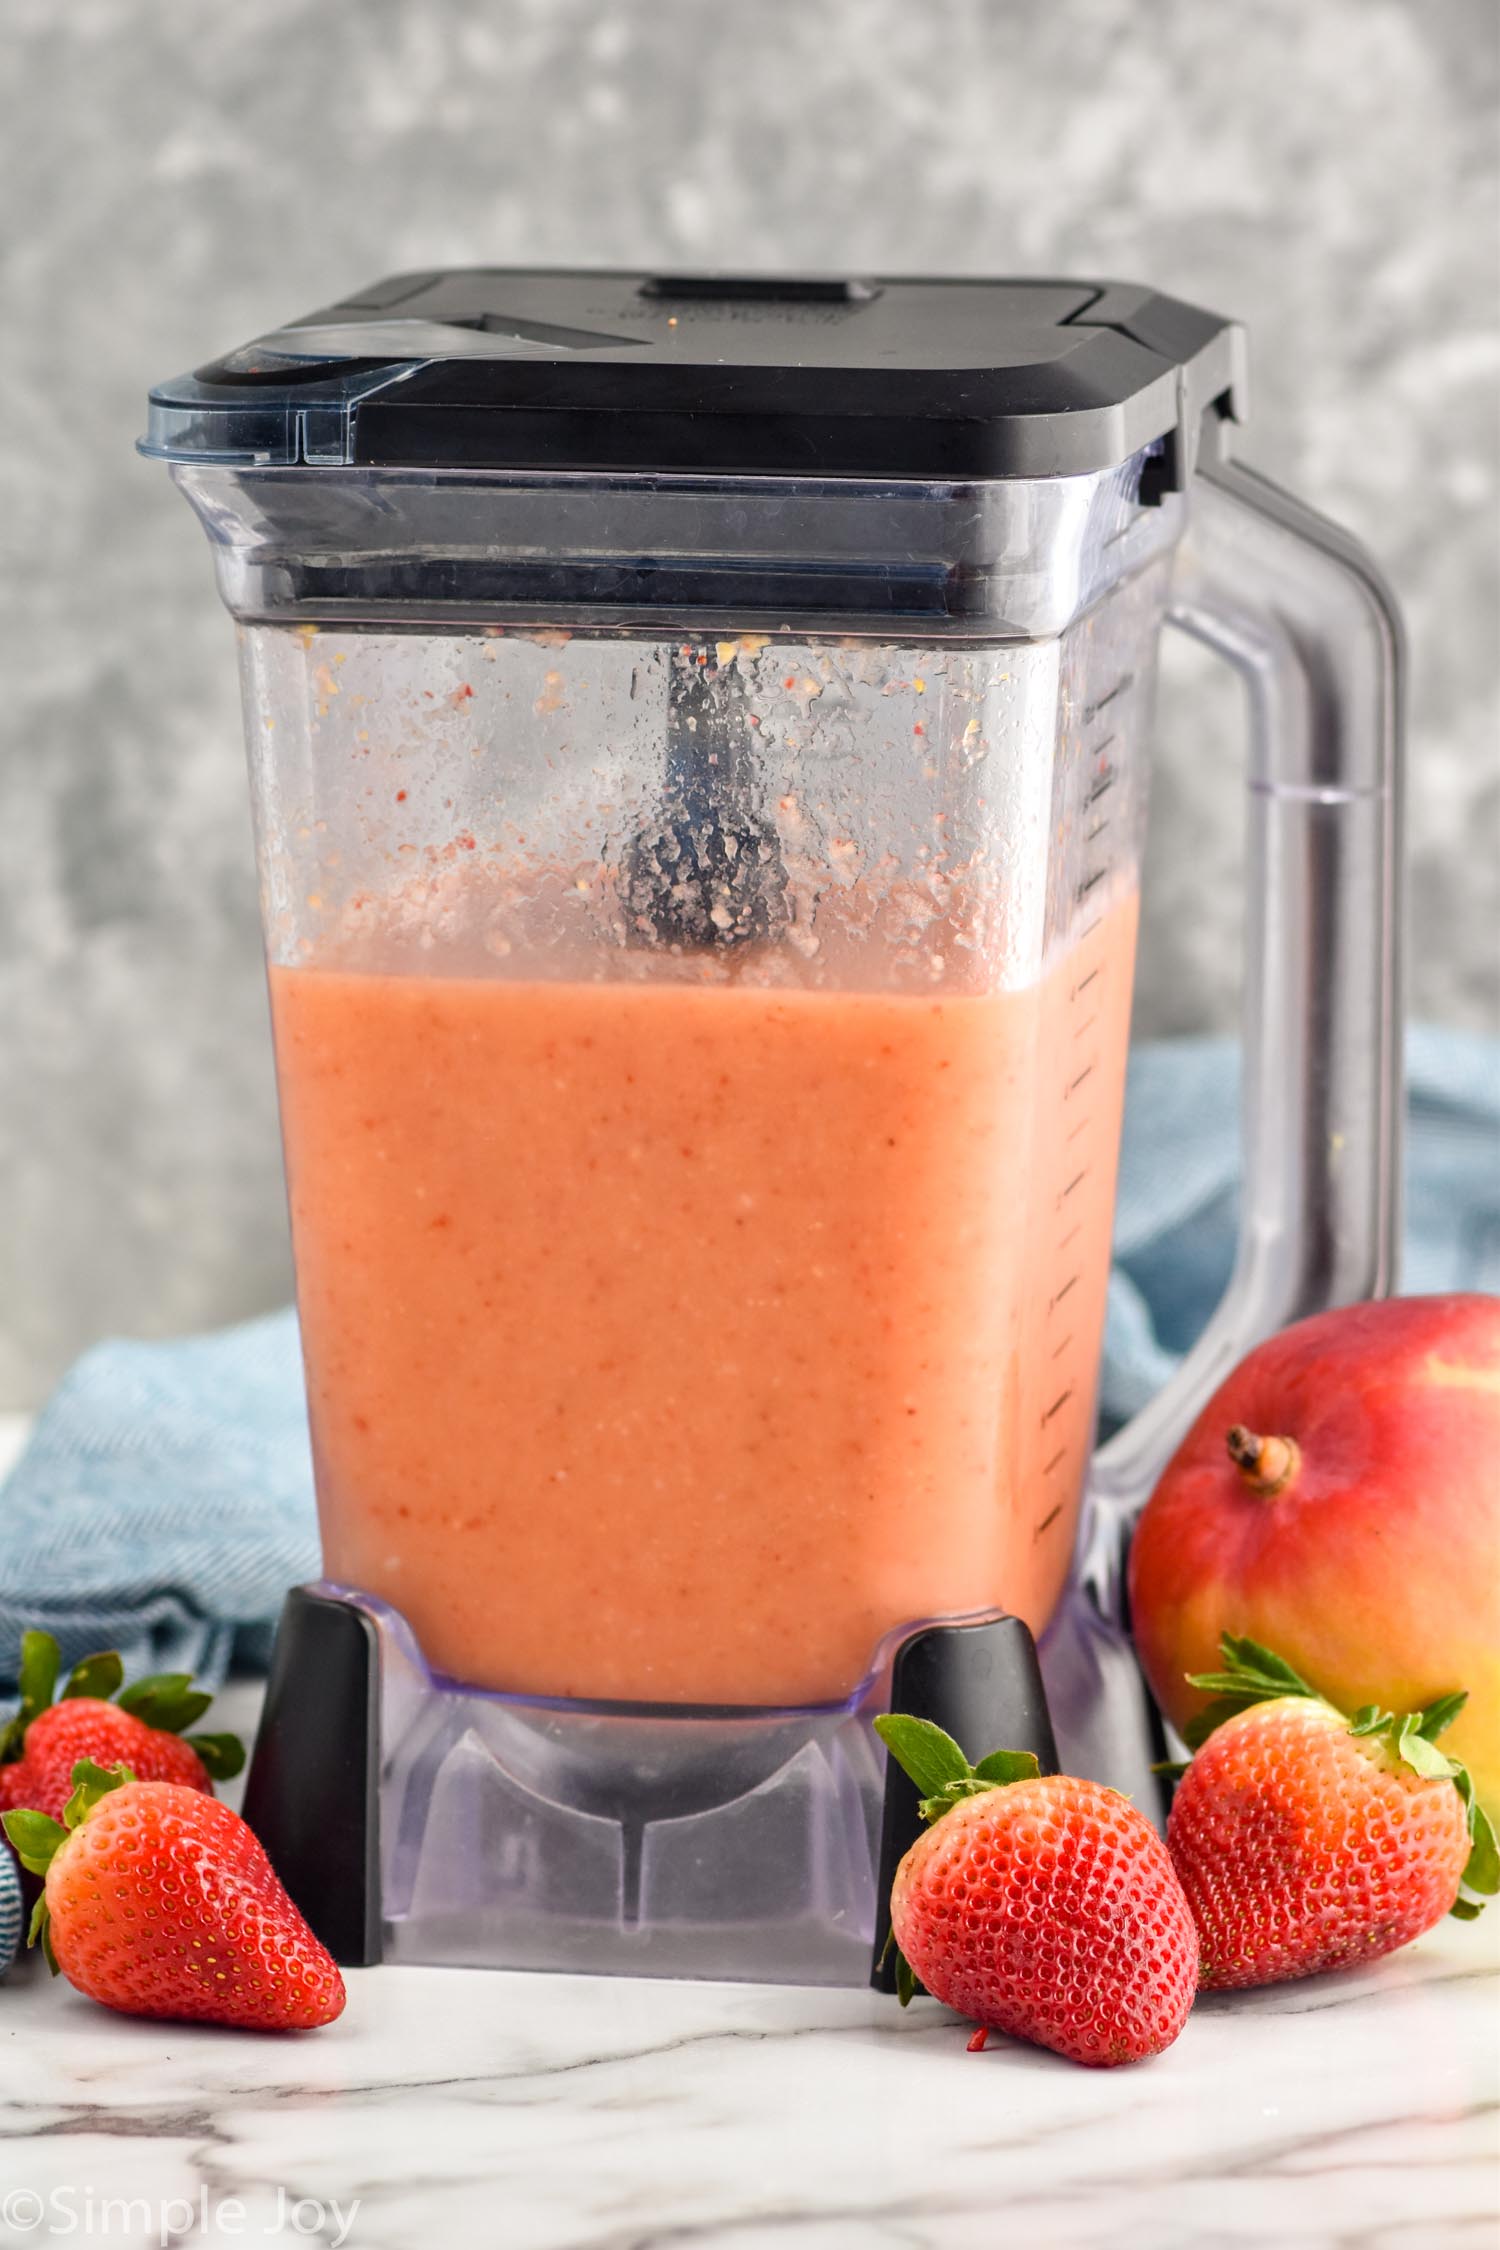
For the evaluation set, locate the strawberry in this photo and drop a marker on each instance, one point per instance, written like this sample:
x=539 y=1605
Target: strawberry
x=142 y=1730
x=1039 y=1905
x=1306 y=1839
x=160 y=1902
x=102 y=1732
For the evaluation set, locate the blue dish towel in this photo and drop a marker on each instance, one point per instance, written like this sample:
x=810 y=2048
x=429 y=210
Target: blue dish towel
x=164 y=1503
x=12 y=1911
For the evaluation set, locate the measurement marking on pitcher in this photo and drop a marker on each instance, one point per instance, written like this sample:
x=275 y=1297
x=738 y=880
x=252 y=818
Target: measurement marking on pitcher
x=1083 y=984
x=1086 y=1072
x=1081 y=1127
x=1102 y=786
x=1056 y=1461
x=1071 y=1236
x=1126 y=679
x=1047 y=1521
x=1092 y=882
x=1080 y=1029
x=1067 y=1285
x=1057 y=1405
x=1062 y=1347
x=1074 y=1183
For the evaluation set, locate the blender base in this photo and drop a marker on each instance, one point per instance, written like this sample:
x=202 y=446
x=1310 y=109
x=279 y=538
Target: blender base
x=415 y=1819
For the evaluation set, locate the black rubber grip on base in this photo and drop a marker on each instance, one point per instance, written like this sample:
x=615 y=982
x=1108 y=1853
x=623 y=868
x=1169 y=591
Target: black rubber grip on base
x=313 y=1794
x=982 y=1684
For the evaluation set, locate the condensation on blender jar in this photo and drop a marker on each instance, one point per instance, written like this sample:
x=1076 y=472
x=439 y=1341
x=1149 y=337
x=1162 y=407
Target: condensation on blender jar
x=754 y=809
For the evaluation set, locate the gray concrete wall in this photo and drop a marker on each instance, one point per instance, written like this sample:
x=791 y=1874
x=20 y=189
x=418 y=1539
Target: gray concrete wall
x=178 y=174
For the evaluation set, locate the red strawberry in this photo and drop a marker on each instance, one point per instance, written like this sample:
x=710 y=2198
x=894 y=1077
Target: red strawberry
x=160 y=1902
x=143 y=1730
x=1039 y=1905
x=86 y=1728
x=1306 y=1840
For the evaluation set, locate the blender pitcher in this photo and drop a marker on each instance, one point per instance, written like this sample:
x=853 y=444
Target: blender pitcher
x=698 y=737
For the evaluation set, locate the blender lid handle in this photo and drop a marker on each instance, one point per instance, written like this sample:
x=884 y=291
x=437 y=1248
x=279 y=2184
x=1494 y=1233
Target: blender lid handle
x=1302 y=613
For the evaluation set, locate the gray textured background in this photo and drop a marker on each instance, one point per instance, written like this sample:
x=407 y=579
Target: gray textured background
x=178 y=174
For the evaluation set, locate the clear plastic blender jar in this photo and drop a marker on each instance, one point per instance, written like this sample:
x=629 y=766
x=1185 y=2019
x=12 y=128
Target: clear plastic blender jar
x=698 y=734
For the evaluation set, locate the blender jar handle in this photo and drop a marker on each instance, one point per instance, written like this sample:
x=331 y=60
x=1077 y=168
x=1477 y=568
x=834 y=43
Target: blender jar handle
x=1303 y=615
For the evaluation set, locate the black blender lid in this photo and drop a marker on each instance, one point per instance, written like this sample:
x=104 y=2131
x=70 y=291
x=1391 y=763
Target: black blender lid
x=499 y=368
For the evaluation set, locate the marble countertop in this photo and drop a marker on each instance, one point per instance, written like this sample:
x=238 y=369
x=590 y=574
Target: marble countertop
x=451 y=2107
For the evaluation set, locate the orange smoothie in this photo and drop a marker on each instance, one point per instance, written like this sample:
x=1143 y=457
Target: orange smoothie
x=678 y=1343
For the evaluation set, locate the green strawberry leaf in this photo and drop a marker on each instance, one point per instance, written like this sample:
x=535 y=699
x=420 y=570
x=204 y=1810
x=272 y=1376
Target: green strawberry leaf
x=1003 y=1766
x=939 y=1768
x=931 y=1758
x=167 y=1700
x=90 y=1783
x=1466 y=1910
x=40 y=1658
x=1413 y=1749
x=906 y=1980
x=1442 y=1713
x=1251 y=1674
x=36 y=1682
x=35 y=1837
x=1369 y=1719
x=174 y=1714
x=155 y=1687
x=222 y=1754
x=97 y=1675
x=41 y=1931
x=1253 y=1659
x=1482 y=1870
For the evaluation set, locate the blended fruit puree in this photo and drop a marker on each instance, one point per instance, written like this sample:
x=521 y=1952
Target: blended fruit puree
x=677 y=1343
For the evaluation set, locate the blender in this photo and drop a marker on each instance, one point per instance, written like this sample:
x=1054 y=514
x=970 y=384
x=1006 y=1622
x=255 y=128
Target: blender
x=698 y=732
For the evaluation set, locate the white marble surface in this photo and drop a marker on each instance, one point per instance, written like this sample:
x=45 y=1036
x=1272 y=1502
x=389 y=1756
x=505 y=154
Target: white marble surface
x=562 y=2113
x=459 y=2109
